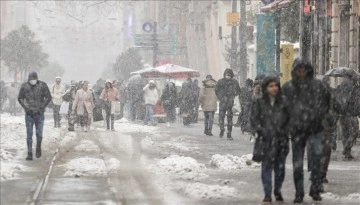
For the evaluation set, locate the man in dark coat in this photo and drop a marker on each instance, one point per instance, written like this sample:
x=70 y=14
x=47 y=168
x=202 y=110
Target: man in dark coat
x=269 y=117
x=348 y=94
x=226 y=90
x=187 y=100
x=169 y=101
x=34 y=96
x=245 y=99
x=309 y=101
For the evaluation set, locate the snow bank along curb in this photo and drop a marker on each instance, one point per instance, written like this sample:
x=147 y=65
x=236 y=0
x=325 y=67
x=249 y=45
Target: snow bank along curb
x=205 y=191
x=230 y=163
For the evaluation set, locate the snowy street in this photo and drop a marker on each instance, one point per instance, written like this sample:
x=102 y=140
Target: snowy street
x=148 y=165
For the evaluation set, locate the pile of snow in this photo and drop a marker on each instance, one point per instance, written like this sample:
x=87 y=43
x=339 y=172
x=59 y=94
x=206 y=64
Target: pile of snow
x=5 y=155
x=85 y=166
x=147 y=142
x=177 y=146
x=230 y=162
x=113 y=165
x=10 y=170
x=205 y=191
x=181 y=168
x=329 y=195
x=70 y=137
x=125 y=127
x=87 y=146
x=353 y=196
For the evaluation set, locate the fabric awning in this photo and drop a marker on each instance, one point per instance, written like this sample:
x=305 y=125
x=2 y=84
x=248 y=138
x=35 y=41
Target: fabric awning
x=276 y=5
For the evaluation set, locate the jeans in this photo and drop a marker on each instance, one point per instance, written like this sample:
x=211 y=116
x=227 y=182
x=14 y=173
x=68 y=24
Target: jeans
x=278 y=165
x=226 y=111
x=108 y=116
x=298 y=142
x=209 y=119
x=149 y=115
x=350 y=131
x=57 y=116
x=30 y=121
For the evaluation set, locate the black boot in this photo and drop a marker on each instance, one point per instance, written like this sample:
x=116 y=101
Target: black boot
x=30 y=156
x=298 y=200
x=38 y=150
x=229 y=136
x=315 y=196
x=221 y=133
x=206 y=132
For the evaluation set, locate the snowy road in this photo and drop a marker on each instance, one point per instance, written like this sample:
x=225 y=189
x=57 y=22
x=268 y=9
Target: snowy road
x=149 y=165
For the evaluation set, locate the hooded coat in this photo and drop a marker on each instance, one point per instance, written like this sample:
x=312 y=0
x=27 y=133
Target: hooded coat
x=57 y=91
x=227 y=89
x=110 y=94
x=187 y=98
x=169 y=97
x=151 y=96
x=208 y=99
x=348 y=95
x=270 y=121
x=34 y=98
x=309 y=100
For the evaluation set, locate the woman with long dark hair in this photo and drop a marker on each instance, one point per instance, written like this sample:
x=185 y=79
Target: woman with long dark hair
x=109 y=95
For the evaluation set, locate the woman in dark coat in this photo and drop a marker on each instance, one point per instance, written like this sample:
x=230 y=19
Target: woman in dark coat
x=269 y=118
x=169 y=101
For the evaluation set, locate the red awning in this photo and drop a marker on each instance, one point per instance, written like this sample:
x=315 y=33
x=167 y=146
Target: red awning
x=275 y=5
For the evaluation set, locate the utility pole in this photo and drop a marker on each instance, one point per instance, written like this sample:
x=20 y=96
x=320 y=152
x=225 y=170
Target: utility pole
x=277 y=39
x=233 y=39
x=156 y=45
x=242 y=41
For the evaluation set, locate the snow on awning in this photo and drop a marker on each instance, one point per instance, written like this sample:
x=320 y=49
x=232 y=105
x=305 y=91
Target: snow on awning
x=275 y=5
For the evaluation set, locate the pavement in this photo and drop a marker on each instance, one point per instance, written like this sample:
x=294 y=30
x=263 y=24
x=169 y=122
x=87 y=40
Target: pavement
x=138 y=180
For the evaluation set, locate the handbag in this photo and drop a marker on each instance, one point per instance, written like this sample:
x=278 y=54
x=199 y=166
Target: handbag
x=115 y=107
x=64 y=108
x=259 y=150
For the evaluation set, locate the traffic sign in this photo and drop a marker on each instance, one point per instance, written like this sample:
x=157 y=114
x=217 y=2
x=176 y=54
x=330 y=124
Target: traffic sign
x=233 y=19
x=148 y=27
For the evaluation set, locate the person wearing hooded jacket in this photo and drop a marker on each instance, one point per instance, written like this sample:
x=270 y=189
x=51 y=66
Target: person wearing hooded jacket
x=208 y=101
x=34 y=96
x=169 y=101
x=269 y=117
x=108 y=95
x=151 y=96
x=309 y=102
x=57 y=91
x=226 y=90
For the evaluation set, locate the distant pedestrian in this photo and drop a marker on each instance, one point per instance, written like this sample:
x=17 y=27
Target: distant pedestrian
x=269 y=117
x=187 y=101
x=226 y=90
x=349 y=94
x=309 y=101
x=12 y=94
x=57 y=91
x=196 y=91
x=34 y=96
x=169 y=101
x=208 y=101
x=245 y=99
x=151 y=95
x=69 y=96
x=83 y=106
x=109 y=95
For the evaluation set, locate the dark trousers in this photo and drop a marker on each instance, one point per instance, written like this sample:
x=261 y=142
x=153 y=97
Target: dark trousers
x=30 y=121
x=350 y=131
x=121 y=110
x=84 y=119
x=329 y=137
x=226 y=111
x=278 y=165
x=170 y=113
x=196 y=114
x=315 y=144
x=109 y=116
x=209 y=119
x=57 y=116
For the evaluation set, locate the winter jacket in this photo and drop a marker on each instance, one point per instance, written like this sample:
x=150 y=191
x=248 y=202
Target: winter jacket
x=83 y=100
x=227 y=89
x=348 y=95
x=69 y=95
x=270 y=121
x=169 y=97
x=109 y=95
x=187 y=98
x=151 y=95
x=309 y=101
x=208 y=99
x=34 y=98
x=57 y=91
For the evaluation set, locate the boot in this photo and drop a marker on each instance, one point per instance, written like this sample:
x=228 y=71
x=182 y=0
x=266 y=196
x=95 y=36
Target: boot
x=315 y=196
x=38 y=150
x=206 y=132
x=279 y=197
x=298 y=200
x=30 y=156
x=229 y=136
x=221 y=133
x=267 y=199
x=210 y=133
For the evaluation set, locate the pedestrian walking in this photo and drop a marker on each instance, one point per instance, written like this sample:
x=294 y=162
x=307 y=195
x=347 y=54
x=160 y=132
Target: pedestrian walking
x=208 y=101
x=309 y=101
x=108 y=96
x=226 y=90
x=34 y=96
x=246 y=101
x=169 y=101
x=3 y=95
x=122 y=98
x=151 y=95
x=269 y=117
x=57 y=91
x=69 y=96
x=12 y=94
x=187 y=100
x=83 y=106
x=349 y=94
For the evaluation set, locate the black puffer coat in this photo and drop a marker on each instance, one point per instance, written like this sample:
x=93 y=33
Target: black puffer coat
x=227 y=89
x=309 y=101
